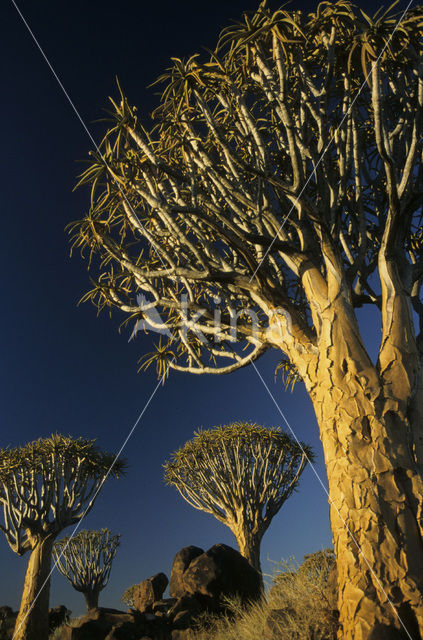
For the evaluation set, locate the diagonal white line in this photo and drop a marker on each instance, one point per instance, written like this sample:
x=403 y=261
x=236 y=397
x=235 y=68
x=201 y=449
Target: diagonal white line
x=257 y=371
x=78 y=115
x=125 y=442
x=330 y=141
x=331 y=501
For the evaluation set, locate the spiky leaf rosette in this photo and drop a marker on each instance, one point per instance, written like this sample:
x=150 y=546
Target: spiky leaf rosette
x=86 y=559
x=49 y=484
x=241 y=471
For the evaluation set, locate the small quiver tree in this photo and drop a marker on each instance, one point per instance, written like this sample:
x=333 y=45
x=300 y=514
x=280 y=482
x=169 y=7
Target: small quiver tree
x=128 y=596
x=242 y=474
x=46 y=486
x=86 y=561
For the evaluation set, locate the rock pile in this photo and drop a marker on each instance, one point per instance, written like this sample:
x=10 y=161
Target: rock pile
x=7 y=622
x=199 y=581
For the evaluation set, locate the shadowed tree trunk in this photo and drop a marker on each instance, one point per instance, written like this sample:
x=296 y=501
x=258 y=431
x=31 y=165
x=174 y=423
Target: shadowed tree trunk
x=32 y=620
x=91 y=599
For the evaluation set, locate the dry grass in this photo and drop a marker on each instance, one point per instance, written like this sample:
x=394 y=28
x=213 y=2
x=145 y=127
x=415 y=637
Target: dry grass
x=57 y=633
x=300 y=605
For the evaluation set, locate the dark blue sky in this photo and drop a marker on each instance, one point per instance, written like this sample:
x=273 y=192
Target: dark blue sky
x=63 y=368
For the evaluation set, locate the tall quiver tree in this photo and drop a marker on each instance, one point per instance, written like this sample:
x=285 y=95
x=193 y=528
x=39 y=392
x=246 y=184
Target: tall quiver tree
x=45 y=486
x=86 y=561
x=285 y=176
x=241 y=474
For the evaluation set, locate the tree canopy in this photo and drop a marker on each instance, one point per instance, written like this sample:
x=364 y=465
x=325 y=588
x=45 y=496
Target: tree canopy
x=49 y=484
x=242 y=474
x=86 y=560
x=292 y=155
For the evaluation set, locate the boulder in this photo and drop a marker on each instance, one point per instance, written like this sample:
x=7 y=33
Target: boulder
x=7 y=622
x=97 y=624
x=193 y=604
x=149 y=591
x=123 y=631
x=58 y=616
x=163 y=606
x=222 y=571
x=5 y=612
x=182 y=620
x=156 y=629
x=180 y=564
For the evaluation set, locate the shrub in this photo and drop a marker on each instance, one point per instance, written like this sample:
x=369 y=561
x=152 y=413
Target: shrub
x=128 y=596
x=300 y=605
x=57 y=633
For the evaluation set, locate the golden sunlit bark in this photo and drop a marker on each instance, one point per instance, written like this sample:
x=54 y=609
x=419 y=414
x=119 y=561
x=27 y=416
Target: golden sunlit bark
x=249 y=545
x=32 y=620
x=375 y=483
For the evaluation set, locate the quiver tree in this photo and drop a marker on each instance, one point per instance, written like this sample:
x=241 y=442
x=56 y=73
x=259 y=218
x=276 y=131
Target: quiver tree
x=86 y=561
x=242 y=474
x=46 y=486
x=282 y=188
x=128 y=596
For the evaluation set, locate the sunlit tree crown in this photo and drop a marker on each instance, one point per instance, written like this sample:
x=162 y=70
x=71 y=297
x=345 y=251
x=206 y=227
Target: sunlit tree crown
x=294 y=151
x=241 y=473
x=49 y=484
x=86 y=558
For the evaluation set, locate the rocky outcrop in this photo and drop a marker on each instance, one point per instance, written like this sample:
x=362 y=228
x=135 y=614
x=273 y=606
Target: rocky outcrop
x=199 y=582
x=182 y=560
x=100 y=624
x=58 y=616
x=7 y=622
x=162 y=606
x=222 y=571
x=149 y=591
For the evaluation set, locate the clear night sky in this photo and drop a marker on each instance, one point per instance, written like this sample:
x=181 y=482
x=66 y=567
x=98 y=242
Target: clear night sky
x=65 y=369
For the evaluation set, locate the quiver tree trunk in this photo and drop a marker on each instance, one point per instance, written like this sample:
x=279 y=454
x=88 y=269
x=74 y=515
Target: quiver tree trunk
x=366 y=416
x=375 y=496
x=91 y=598
x=32 y=620
x=249 y=546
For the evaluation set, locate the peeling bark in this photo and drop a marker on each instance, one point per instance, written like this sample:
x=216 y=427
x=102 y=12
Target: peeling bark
x=375 y=483
x=32 y=620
